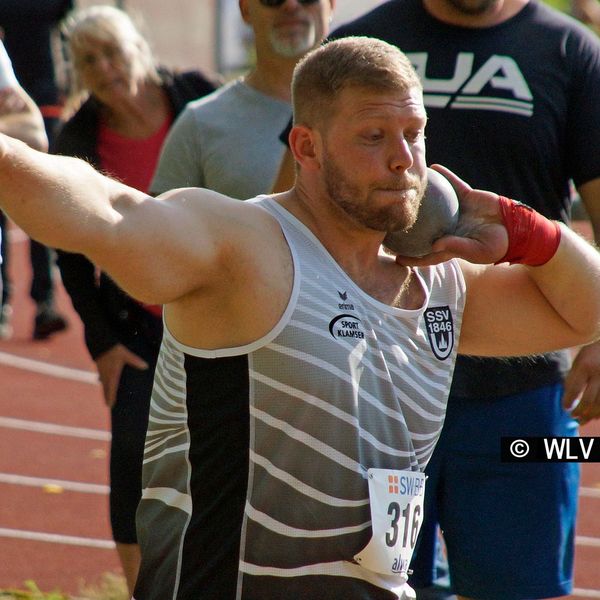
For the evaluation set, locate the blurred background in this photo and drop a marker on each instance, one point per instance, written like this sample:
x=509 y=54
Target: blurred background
x=205 y=34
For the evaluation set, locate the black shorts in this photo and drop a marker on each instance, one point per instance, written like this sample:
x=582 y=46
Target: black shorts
x=129 y=418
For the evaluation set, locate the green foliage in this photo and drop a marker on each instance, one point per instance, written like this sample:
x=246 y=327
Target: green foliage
x=110 y=587
x=32 y=592
x=562 y=5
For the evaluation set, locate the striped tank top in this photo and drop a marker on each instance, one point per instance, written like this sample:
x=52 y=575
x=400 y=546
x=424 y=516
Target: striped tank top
x=255 y=469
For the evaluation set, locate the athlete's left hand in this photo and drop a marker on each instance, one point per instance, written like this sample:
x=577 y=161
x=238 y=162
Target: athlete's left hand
x=583 y=382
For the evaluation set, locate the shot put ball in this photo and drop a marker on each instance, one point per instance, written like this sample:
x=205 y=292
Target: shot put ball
x=438 y=216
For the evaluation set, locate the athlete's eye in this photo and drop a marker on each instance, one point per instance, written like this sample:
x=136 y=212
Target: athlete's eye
x=373 y=136
x=412 y=137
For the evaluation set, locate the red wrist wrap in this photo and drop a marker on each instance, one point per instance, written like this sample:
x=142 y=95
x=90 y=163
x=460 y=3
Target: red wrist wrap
x=532 y=238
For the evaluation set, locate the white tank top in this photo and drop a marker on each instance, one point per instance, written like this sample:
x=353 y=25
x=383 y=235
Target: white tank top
x=342 y=383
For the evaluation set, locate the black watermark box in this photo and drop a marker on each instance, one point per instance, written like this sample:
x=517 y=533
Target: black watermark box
x=550 y=449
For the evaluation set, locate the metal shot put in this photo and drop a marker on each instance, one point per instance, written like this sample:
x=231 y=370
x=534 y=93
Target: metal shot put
x=438 y=216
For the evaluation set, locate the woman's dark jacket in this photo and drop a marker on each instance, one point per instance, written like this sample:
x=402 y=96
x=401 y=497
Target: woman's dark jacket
x=108 y=314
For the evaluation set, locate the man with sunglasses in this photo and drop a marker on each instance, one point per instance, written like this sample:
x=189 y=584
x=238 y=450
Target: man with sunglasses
x=227 y=141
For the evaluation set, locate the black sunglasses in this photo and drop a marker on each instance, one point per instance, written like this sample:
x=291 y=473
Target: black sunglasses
x=276 y=3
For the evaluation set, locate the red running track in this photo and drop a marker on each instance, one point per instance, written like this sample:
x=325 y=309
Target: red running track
x=54 y=524
x=54 y=443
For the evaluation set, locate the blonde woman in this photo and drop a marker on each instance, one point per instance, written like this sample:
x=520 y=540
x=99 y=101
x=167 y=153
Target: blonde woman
x=128 y=107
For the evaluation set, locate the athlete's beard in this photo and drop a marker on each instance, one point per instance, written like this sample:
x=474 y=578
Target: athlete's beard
x=472 y=7
x=359 y=206
x=296 y=45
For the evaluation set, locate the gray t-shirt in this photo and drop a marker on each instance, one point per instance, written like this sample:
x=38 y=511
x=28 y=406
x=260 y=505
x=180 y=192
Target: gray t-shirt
x=227 y=142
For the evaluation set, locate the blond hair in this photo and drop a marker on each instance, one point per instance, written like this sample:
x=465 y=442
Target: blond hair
x=362 y=62
x=106 y=24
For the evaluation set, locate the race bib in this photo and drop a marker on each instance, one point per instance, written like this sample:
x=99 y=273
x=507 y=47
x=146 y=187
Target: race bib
x=396 y=499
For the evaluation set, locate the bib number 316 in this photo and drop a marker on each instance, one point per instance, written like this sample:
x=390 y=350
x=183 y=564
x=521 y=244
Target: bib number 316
x=404 y=524
x=396 y=499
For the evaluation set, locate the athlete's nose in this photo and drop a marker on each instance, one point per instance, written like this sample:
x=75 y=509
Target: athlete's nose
x=401 y=157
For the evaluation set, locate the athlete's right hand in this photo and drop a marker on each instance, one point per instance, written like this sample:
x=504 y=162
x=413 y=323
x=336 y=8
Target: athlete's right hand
x=480 y=235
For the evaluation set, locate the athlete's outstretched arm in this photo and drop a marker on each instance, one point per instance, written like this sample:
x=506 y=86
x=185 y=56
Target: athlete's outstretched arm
x=156 y=249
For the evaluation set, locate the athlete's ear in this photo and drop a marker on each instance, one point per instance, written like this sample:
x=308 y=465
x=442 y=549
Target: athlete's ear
x=305 y=144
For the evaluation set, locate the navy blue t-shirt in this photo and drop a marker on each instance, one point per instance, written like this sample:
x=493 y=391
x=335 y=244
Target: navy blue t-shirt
x=28 y=27
x=513 y=108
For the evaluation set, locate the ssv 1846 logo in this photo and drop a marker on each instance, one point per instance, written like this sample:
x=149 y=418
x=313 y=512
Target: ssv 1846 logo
x=440 y=331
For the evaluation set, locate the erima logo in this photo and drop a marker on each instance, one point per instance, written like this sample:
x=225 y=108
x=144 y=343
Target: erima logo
x=440 y=331
x=463 y=90
x=343 y=305
x=346 y=326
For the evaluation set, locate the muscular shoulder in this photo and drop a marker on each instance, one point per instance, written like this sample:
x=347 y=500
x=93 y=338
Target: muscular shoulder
x=227 y=214
x=245 y=289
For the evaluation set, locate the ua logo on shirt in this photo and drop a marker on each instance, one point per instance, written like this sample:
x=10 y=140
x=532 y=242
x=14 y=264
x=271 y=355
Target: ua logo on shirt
x=463 y=89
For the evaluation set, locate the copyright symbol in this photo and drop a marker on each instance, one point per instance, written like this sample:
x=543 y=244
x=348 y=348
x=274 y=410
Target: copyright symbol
x=519 y=448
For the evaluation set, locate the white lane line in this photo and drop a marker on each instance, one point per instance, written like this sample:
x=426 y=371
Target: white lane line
x=55 y=429
x=44 y=368
x=55 y=538
x=581 y=593
x=40 y=482
x=583 y=540
x=589 y=492
x=17 y=235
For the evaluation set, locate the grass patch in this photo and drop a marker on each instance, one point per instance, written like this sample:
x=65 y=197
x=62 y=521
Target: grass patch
x=32 y=592
x=110 y=587
x=562 y=5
